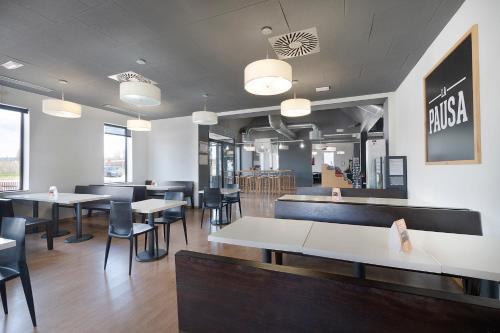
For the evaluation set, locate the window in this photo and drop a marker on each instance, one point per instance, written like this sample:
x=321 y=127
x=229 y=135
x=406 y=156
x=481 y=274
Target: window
x=11 y=147
x=329 y=158
x=117 y=154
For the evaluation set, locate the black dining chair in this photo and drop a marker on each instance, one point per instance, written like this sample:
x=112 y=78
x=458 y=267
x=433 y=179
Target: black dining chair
x=121 y=226
x=13 y=262
x=212 y=199
x=7 y=210
x=232 y=199
x=172 y=215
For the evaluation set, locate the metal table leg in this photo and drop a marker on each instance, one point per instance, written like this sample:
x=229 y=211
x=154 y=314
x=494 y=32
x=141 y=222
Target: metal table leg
x=151 y=254
x=56 y=232
x=79 y=237
x=359 y=270
x=266 y=256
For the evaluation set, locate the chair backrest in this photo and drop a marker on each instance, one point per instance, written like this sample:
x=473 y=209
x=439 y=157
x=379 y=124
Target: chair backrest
x=212 y=196
x=234 y=195
x=6 y=208
x=13 y=228
x=118 y=193
x=177 y=211
x=120 y=218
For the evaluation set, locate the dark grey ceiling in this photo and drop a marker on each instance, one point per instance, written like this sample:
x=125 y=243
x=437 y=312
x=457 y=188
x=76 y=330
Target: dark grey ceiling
x=198 y=46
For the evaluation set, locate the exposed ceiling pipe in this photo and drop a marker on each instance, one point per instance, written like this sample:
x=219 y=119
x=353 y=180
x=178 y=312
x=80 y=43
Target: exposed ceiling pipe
x=279 y=126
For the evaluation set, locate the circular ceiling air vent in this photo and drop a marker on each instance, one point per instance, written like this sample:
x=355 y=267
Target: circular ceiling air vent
x=296 y=44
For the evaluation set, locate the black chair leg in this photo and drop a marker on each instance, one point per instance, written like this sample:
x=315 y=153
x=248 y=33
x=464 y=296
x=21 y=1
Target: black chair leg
x=130 y=256
x=185 y=229
x=89 y=213
x=192 y=201
x=230 y=212
x=3 y=293
x=155 y=231
x=145 y=240
x=108 y=244
x=25 y=280
x=239 y=204
x=168 y=236
x=202 y=215
x=135 y=241
x=50 y=238
x=165 y=233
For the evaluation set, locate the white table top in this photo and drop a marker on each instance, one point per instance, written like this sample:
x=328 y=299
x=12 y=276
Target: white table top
x=265 y=233
x=155 y=205
x=462 y=255
x=155 y=187
x=225 y=191
x=368 y=245
x=6 y=243
x=358 y=201
x=62 y=198
x=435 y=252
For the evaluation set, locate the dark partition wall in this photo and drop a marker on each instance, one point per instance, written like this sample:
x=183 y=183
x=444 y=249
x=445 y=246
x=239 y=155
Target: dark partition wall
x=299 y=160
x=203 y=170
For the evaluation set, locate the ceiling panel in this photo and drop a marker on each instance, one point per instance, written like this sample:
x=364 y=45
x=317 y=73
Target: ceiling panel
x=197 y=46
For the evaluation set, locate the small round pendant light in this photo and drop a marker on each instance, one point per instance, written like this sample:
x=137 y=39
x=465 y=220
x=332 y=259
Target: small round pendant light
x=295 y=107
x=140 y=93
x=60 y=107
x=139 y=125
x=205 y=117
x=268 y=76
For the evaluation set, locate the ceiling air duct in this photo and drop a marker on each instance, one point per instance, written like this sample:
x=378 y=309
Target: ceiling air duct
x=279 y=126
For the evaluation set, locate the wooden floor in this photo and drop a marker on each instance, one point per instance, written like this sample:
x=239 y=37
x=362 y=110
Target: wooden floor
x=73 y=293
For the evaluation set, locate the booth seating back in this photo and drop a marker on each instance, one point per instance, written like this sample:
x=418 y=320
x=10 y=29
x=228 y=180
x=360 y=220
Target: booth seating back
x=459 y=221
x=354 y=192
x=188 y=188
x=118 y=193
x=257 y=297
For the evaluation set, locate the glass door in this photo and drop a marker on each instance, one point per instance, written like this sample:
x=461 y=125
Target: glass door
x=228 y=163
x=215 y=164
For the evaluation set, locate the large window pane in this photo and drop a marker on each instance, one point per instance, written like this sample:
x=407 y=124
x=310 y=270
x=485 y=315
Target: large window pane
x=10 y=150
x=117 y=152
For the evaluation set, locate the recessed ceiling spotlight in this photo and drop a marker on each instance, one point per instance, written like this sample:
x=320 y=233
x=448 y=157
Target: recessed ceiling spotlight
x=325 y=88
x=12 y=65
x=266 y=30
x=141 y=61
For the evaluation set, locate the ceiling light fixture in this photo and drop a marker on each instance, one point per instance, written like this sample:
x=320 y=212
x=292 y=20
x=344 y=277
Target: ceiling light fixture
x=302 y=145
x=139 y=125
x=321 y=89
x=249 y=148
x=140 y=93
x=315 y=153
x=295 y=107
x=268 y=76
x=205 y=117
x=60 y=107
x=12 y=65
x=340 y=152
x=282 y=146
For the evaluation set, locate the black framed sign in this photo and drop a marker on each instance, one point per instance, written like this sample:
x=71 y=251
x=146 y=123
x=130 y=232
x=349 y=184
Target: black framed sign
x=451 y=95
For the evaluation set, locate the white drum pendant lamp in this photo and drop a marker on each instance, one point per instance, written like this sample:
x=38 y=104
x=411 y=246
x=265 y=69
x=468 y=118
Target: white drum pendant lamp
x=268 y=76
x=205 y=117
x=295 y=107
x=140 y=93
x=139 y=125
x=60 y=107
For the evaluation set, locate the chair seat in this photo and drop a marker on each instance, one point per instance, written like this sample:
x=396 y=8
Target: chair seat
x=210 y=206
x=7 y=273
x=140 y=228
x=167 y=219
x=34 y=221
x=231 y=199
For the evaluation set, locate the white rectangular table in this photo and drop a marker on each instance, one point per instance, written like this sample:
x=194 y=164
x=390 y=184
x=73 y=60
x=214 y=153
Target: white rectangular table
x=75 y=199
x=357 y=200
x=466 y=256
x=150 y=207
x=264 y=233
x=6 y=243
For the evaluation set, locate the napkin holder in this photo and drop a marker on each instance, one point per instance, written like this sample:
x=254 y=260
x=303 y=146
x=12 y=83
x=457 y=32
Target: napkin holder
x=399 y=238
x=53 y=193
x=336 y=195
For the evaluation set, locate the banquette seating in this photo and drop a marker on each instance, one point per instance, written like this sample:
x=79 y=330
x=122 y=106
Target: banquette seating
x=187 y=188
x=354 y=192
x=257 y=297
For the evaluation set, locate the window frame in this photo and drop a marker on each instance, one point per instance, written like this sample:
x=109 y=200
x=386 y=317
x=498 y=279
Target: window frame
x=23 y=112
x=128 y=134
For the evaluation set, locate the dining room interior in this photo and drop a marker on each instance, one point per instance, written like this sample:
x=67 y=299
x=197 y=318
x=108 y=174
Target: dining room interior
x=249 y=165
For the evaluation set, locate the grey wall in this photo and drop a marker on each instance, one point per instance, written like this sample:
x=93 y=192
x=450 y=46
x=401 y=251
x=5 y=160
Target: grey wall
x=299 y=160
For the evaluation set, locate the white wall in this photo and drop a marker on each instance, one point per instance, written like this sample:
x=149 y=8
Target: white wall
x=469 y=186
x=173 y=150
x=68 y=152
